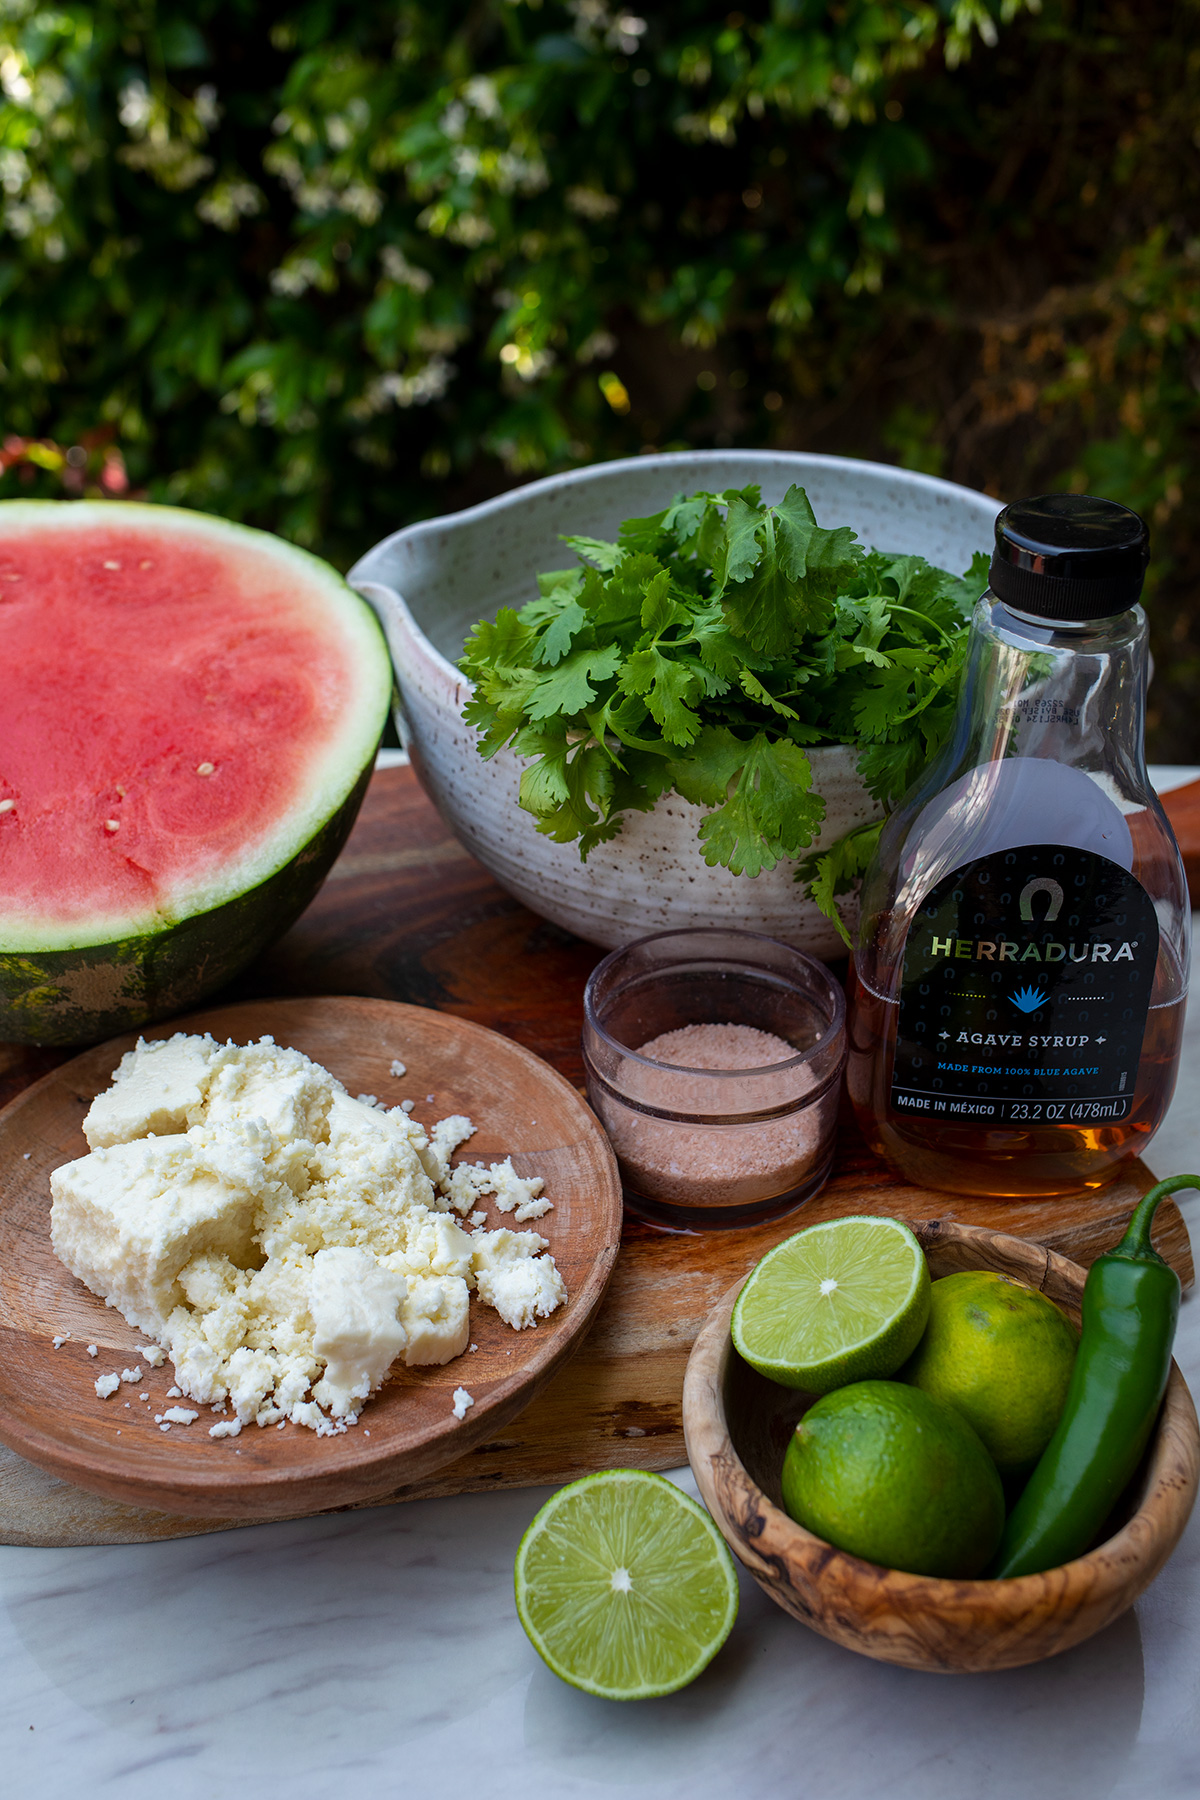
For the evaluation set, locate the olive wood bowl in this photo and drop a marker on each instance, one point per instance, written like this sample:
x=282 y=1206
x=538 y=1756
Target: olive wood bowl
x=737 y=1425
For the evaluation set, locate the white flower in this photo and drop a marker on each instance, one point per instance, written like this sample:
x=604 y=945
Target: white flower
x=230 y=201
x=480 y=93
x=397 y=268
x=592 y=203
x=135 y=105
x=204 y=105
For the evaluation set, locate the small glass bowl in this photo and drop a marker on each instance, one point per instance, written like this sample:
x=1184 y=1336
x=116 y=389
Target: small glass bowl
x=708 y=1147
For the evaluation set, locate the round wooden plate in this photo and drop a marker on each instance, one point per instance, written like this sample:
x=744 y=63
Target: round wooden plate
x=49 y=1411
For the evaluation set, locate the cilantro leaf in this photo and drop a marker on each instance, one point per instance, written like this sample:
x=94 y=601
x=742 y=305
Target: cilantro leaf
x=568 y=621
x=667 y=687
x=568 y=689
x=793 y=583
x=504 y=644
x=834 y=871
x=594 y=550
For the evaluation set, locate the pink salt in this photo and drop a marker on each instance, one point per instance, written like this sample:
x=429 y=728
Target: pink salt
x=717 y=1047
x=717 y=1164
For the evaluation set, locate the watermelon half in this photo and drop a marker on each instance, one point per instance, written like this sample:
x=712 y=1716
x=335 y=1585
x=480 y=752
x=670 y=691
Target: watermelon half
x=189 y=714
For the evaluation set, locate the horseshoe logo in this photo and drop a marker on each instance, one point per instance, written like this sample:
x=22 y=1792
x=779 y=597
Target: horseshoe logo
x=1042 y=885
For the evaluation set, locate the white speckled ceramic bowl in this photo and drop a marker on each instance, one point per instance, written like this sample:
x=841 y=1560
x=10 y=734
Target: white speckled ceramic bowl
x=431 y=582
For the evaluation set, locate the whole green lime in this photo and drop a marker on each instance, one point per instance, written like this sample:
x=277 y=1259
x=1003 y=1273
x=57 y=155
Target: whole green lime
x=892 y=1475
x=1001 y=1354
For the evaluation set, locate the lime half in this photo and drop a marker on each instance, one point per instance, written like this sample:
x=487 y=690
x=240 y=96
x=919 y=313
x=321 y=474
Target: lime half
x=843 y=1301
x=625 y=1586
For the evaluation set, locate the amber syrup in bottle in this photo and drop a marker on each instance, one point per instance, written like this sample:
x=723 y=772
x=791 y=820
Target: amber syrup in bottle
x=1021 y=967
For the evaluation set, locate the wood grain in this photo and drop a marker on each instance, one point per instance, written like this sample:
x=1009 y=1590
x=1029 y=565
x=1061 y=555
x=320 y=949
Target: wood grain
x=408 y=915
x=49 y=1411
x=738 y=1425
x=1182 y=807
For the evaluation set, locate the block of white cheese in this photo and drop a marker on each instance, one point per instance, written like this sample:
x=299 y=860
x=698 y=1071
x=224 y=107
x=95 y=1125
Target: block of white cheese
x=355 y=1304
x=127 y=1219
x=436 y=1316
x=158 y=1088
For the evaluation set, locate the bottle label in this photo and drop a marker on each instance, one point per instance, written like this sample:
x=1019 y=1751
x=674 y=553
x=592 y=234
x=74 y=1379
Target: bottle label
x=1024 y=992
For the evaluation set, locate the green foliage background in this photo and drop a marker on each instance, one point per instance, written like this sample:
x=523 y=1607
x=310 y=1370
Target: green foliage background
x=329 y=267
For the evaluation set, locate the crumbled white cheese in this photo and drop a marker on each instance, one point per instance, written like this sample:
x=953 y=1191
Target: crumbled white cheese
x=61 y=1339
x=470 y=1181
x=398 y=1069
x=93 y=1350
x=448 y=1134
x=461 y=1402
x=132 y=1376
x=153 y=1354
x=180 y=1415
x=225 y=1428
x=107 y=1384
x=510 y=1275
x=407 y=1105
x=284 y=1242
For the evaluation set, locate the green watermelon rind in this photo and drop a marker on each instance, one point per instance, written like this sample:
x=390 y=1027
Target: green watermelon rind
x=75 y=987
x=85 y=995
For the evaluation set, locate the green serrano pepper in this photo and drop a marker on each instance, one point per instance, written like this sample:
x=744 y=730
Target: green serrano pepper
x=1129 y=1312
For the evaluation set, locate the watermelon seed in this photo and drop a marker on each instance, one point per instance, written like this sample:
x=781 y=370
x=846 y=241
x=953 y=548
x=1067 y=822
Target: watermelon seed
x=112 y=565
x=7 y=805
x=112 y=824
x=205 y=768
x=146 y=565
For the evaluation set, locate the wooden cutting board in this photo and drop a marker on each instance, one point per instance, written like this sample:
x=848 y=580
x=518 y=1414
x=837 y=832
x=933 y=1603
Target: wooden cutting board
x=408 y=915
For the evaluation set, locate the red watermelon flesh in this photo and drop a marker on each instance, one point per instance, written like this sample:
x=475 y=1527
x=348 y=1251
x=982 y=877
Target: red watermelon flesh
x=184 y=703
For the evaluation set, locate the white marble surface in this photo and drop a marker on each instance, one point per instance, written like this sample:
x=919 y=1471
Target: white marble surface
x=377 y=1655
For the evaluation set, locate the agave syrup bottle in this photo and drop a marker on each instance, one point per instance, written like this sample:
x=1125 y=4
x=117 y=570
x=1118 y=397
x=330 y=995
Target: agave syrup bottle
x=1022 y=961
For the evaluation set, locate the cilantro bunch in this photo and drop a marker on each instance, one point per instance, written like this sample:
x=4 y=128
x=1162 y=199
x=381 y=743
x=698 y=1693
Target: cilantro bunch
x=706 y=651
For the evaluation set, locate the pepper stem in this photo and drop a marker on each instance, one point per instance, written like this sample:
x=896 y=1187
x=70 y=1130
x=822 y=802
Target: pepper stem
x=1136 y=1241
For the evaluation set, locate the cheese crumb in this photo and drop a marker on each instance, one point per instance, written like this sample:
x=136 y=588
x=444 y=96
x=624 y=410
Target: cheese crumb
x=398 y=1069
x=61 y=1339
x=181 y=1415
x=155 y=1356
x=225 y=1428
x=93 y=1350
x=461 y=1402
x=107 y=1384
x=132 y=1376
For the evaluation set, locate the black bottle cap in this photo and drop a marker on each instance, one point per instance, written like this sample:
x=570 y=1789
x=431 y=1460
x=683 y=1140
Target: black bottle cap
x=1069 y=556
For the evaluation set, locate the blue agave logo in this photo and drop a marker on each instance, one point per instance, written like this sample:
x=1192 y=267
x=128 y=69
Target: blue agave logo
x=1028 y=999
